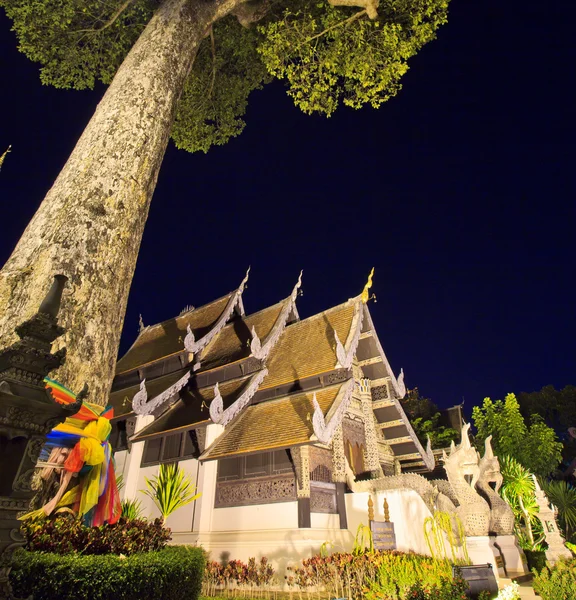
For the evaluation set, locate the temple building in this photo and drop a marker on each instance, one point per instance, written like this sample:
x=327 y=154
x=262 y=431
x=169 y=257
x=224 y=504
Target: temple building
x=279 y=421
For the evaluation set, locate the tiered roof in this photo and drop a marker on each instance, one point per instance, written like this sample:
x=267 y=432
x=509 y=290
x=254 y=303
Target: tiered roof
x=259 y=374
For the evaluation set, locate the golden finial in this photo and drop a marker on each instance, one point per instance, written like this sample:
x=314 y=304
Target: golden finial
x=366 y=290
x=370 y=508
x=386 y=511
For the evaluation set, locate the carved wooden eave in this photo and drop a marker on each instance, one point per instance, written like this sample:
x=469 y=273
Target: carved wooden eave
x=142 y=406
x=345 y=353
x=324 y=428
x=234 y=303
x=399 y=391
x=261 y=349
x=223 y=417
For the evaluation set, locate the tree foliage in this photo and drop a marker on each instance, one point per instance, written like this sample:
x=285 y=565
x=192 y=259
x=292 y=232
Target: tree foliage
x=326 y=55
x=426 y=420
x=535 y=446
x=563 y=496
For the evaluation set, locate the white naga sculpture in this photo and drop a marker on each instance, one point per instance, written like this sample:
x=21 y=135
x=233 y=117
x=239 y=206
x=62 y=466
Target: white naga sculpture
x=501 y=515
x=462 y=469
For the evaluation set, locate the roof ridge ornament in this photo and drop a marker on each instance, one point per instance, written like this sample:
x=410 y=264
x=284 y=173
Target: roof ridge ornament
x=140 y=403
x=325 y=431
x=365 y=296
x=261 y=350
x=223 y=417
x=194 y=346
x=344 y=355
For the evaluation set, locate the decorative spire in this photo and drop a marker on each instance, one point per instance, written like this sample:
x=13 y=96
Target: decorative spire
x=141 y=325
x=366 y=291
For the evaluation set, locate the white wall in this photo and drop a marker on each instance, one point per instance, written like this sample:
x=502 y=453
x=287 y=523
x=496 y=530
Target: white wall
x=280 y=515
x=407 y=511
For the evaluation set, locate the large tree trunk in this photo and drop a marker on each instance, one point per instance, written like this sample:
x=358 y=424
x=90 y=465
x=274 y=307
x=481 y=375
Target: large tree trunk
x=90 y=224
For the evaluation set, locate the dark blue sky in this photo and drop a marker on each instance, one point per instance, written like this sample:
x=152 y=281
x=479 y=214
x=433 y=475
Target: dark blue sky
x=460 y=191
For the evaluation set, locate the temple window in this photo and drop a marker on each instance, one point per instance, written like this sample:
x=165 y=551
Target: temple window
x=170 y=448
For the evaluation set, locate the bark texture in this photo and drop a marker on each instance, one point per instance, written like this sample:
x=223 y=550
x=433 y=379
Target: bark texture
x=91 y=222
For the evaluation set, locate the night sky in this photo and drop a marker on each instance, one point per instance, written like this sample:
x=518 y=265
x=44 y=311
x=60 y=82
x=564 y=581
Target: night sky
x=460 y=192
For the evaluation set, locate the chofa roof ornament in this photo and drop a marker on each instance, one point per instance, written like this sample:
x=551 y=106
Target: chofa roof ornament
x=194 y=346
x=223 y=417
x=259 y=349
x=325 y=431
x=142 y=406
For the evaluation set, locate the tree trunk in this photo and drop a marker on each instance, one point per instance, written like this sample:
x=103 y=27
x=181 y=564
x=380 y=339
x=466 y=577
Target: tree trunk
x=90 y=224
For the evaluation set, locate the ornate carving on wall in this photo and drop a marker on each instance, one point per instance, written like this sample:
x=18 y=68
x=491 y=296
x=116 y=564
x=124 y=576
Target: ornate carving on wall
x=380 y=393
x=261 y=349
x=324 y=431
x=338 y=456
x=338 y=376
x=353 y=431
x=320 y=457
x=266 y=490
x=501 y=515
x=301 y=457
x=345 y=355
x=223 y=417
x=372 y=460
x=142 y=406
x=194 y=346
x=323 y=498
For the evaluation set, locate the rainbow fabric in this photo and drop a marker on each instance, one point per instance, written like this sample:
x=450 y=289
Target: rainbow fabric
x=95 y=498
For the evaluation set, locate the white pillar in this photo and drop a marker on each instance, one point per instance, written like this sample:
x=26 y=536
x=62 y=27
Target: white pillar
x=514 y=559
x=133 y=461
x=206 y=484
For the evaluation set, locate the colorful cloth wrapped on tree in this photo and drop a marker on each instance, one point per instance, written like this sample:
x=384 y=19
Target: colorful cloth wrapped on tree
x=80 y=446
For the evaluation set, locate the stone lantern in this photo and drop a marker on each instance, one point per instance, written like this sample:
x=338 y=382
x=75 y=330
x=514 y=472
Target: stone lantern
x=27 y=414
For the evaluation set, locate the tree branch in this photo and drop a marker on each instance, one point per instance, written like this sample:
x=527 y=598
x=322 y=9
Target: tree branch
x=110 y=21
x=213 y=45
x=355 y=16
x=251 y=11
x=370 y=6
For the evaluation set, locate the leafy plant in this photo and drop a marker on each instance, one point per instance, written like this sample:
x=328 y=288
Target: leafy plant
x=131 y=509
x=440 y=525
x=535 y=446
x=64 y=534
x=169 y=574
x=237 y=575
x=563 y=496
x=558 y=583
x=170 y=489
x=519 y=491
x=364 y=540
x=446 y=589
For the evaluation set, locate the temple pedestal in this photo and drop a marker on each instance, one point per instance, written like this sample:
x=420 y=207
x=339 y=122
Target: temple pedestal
x=515 y=562
x=481 y=550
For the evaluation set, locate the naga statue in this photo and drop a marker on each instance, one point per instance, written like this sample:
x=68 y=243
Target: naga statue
x=462 y=469
x=501 y=515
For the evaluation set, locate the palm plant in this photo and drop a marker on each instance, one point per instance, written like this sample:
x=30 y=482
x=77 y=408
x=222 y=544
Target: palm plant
x=131 y=509
x=519 y=491
x=563 y=496
x=170 y=489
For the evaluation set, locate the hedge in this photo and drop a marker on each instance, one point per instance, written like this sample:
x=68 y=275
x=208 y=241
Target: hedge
x=174 y=573
x=65 y=534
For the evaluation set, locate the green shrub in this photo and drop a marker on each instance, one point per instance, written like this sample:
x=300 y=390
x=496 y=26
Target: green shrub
x=173 y=573
x=372 y=575
x=558 y=583
x=536 y=559
x=65 y=534
x=445 y=589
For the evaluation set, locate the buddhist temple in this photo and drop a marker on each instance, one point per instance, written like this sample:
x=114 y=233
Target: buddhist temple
x=285 y=424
